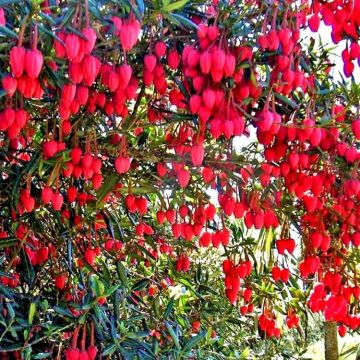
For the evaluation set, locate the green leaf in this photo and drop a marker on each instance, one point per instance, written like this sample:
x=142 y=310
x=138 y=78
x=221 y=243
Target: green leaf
x=105 y=271
x=48 y=18
x=172 y=334
x=141 y=7
x=169 y=308
x=68 y=16
x=174 y=6
x=287 y=101
x=194 y=341
x=245 y=354
x=95 y=11
x=11 y=348
x=63 y=311
x=29 y=169
x=146 y=252
x=109 y=225
x=140 y=285
x=6 y=31
x=109 y=184
x=76 y=32
x=50 y=33
x=7 y=2
x=109 y=350
x=3 y=93
x=190 y=288
x=32 y=312
x=122 y=274
x=27 y=269
x=6 y=242
x=42 y=355
x=111 y=289
x=185 y=21
x=11 y=310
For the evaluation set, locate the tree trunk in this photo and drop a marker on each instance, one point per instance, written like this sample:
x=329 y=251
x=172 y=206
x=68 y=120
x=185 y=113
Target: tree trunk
x=331 y=342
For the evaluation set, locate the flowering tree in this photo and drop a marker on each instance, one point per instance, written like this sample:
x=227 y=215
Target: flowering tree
x=179 y=179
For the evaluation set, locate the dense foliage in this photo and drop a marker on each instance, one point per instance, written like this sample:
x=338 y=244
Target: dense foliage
x=179 y=179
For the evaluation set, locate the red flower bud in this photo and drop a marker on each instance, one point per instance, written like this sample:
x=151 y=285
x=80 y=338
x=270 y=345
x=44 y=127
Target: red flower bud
x=57 y=201
x=197 y=154
x=314 y=23
x=68 y=94
x=160 y=49
x=82 y=94
x=27 y=201
x=21 y=117
x=96 y=181
x=75 y=73
x=60 y=281
x=72 y=354
x=150 y=62
x=72 y=46
x=355 y=127
x=9 y=84
x=129 y=33
x=173 y=59
x=91 y=66
x=218 y=59
x=122 y=164
x=50 y=148
x=71 y=194
x=113 y=80
x=92 y=351
x=90 y=35
x=183 y=177
x=2 y=17
x=33 y=63
x=125 y=73
x=205 y=62
x=17 y=59
x=60 y=49
x=46 y=195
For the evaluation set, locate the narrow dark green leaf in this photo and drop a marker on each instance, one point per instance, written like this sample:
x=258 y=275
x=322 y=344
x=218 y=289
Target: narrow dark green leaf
x=95 y=11
x=111 y=289
x=76 y=32
x=174 y=6
x=169 y=308
x=109 y=184
x=287 y=101
x=48 y=18
x=31 y=313
x=190 y=287
x=122 y=274
x=42 y=355
x=146 y=252
x=185 y=21
x=105 y=271
x=69 y=253
x=28 y=269
x=2 y=93
x=6 y=31
x=63 y=311
x=194 y=341
x=140 y=285
x=50 y=33
x=109 y=350
x=7 y=2
x=172 y=334
x=68 y=16
x=11 y=310
x=6 y=242
x=141 y=7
